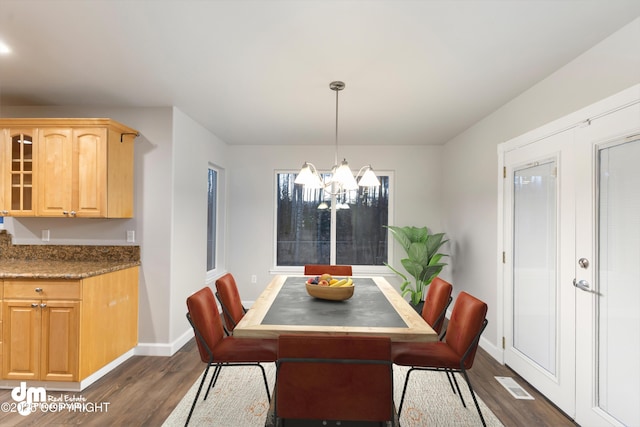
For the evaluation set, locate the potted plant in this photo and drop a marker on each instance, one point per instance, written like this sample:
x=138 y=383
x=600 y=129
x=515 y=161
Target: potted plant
x=423 y=262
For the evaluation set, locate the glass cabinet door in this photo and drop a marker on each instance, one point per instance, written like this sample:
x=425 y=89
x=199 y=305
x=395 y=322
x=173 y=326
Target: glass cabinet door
x=19 y=174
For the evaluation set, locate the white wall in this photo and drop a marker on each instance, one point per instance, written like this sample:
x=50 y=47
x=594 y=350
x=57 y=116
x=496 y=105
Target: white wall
x=416 y=191
x=194 y=149
x=471 y=161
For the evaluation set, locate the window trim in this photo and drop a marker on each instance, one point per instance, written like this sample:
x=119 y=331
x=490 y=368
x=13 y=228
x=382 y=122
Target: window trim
x=219 y=240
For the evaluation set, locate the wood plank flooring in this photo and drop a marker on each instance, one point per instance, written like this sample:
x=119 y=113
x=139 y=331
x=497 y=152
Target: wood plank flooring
x=144 y=390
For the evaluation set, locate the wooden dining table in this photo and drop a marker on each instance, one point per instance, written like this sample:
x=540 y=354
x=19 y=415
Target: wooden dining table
x=376 y=308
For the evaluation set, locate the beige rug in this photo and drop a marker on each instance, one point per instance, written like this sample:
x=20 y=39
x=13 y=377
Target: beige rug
x=239 y=400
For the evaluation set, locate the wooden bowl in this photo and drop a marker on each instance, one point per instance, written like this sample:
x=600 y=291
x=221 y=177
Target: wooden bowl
x=326 y=292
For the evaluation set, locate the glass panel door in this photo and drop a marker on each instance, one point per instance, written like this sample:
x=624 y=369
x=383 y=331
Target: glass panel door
x=538 y=266
x=534 y=264
x=608 y=286
x=618 y=276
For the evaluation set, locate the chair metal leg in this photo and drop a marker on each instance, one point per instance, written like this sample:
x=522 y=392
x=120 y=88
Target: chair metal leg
x=449 y=374
x=404 y=391
x=266 y=385
x=453 y=375
x=218 y=369
x=214 y=379
x=195 y=399
x=473 y=395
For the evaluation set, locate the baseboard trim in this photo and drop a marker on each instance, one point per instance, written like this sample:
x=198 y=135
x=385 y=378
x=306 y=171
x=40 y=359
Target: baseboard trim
x=72 y=386
x=495 y=352
x=162 y=349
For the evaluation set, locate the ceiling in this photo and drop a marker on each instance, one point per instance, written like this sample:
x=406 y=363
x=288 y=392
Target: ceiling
x=258 y=72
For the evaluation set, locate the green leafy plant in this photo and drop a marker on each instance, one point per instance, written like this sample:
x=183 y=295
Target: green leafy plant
x=423 y=262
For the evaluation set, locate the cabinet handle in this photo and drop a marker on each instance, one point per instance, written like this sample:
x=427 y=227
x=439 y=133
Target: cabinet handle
x=73 y=213
x=38 y=289
x=65 y=212
x=43 y=305
x=34 y=305
x=5 y=212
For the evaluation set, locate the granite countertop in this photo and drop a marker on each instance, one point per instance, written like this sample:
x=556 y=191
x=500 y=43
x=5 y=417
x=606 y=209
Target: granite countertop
x=62 y=261
x=47 y=269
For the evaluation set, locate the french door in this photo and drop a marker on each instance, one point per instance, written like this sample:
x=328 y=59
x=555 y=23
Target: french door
x=539 y=258
x=571 y=209
x=608 y=288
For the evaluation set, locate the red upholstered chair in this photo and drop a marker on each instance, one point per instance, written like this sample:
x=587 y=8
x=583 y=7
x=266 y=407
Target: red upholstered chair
x=229 y=298
x=334 y=270
x=455 y=353
x=436 y=302
x=218 y=350
x=346 y=378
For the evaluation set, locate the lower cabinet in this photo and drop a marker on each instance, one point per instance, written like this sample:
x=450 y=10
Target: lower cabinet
x=41 y=340
x=65 y=330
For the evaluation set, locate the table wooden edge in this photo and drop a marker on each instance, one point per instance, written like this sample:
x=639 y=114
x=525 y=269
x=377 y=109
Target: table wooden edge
x=418 y=330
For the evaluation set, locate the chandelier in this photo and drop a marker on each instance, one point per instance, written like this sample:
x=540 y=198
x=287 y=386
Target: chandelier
x=341 y=179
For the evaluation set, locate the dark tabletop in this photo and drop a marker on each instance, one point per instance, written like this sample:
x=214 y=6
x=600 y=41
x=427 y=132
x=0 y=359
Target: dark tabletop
x=367 y=307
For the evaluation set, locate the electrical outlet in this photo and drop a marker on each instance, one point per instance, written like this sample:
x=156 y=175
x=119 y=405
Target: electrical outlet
x=45 y=235
x=131 y=236
x=254 y=278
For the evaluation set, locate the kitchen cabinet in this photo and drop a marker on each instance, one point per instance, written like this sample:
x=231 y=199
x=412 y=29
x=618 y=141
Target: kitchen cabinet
x=17 y=171
x=65 y=330
x=1 y=351
x=75 y=168
x=42 y=340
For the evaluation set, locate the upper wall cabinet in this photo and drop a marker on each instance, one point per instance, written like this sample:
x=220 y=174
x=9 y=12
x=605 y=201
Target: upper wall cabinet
x=66 y=168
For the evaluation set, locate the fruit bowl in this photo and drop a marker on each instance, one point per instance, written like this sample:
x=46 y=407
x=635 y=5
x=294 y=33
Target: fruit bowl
x=339 y=293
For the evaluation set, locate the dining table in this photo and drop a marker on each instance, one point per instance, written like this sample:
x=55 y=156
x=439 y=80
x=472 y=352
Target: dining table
x=376 y=308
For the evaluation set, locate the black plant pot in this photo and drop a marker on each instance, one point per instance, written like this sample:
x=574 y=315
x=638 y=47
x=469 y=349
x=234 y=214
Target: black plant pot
x=417 y=307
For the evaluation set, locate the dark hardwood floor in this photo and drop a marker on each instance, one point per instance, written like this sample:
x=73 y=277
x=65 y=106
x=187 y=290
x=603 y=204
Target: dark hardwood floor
x=144 y=390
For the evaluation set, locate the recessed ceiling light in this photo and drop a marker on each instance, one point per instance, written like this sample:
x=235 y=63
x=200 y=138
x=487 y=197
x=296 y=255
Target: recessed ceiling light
x=4 y=48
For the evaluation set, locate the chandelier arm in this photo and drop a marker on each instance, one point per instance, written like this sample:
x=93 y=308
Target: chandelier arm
x=340 y=192
x=362 y=169
x=312 y=167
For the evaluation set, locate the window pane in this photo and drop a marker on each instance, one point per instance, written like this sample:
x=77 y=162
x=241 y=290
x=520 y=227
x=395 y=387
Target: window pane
x=212 y=196
x=361 y=237
x=304 y=224
x=303 y=228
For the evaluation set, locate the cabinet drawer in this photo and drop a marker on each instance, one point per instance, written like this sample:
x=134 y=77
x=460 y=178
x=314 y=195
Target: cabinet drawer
x=42 y=289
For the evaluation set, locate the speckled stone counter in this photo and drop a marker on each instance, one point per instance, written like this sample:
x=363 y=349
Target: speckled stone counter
x=62 y=261
x=43 y=269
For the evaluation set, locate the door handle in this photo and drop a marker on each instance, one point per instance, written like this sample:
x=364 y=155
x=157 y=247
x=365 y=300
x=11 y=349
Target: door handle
x=582 y=284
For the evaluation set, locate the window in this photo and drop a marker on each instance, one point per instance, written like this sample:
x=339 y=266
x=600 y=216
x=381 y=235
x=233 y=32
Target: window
x=304 y=220
x=212 y=207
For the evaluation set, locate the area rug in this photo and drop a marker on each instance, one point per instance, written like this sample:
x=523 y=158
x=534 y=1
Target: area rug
x=239 y=400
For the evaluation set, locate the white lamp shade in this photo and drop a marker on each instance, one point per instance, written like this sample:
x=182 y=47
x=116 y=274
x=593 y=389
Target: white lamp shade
x=344 y=177
x=308 y=177
x=369 y=179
